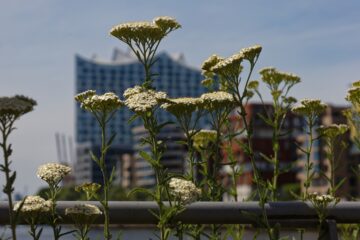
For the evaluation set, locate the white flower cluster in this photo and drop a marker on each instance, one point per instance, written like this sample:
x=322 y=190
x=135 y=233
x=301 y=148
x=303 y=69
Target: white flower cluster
x=142 y=100
x=34 y=204
x=230 y=65
x=210 y=62
x=273 y=77
x=83 y=210
x=251 y=53
x=309 y=107
x=218 y=99
x=321 y=199
x=107 y=102
x=184 y=191
x=166 y=23
x=132 y=91
x=53 y=173
x=179 y=106
x=17 y=105
x=141 y=31
x=203 y=138
x=353 y=94
x=333 y=130
x=145 y=31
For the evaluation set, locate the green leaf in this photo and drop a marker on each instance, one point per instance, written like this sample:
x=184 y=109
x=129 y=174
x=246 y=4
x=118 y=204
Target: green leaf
x=266 y=158
x=133 y=118
x=142 y=190
x=17 y=213
x=145 y=156
x=12 y=178
x=93 y=157
x=339 y=184
x=39 y=233
x=66 y=233
x=266 y=120
x=111 y=139
x=181 y=142
x=160 y=126
x=167 y=233
x=112 y=175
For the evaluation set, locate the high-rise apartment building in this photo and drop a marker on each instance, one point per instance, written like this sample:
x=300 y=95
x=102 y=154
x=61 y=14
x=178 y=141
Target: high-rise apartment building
x=262 y=145
x=347 y=159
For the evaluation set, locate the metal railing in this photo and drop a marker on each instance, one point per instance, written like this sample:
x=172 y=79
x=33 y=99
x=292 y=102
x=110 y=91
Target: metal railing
x=289 y=214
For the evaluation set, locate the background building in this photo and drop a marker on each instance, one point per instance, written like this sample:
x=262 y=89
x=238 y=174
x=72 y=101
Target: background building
x=124 y=71
x=137 y=171
x=290 y=156
x=86 y=169
x=347 y=159
x=262 y=144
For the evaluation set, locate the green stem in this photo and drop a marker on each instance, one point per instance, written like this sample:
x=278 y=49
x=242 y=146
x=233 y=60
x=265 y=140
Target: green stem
x=332 y=167
x=275 y=144
x=250 y=153
x=8 y=189
x=150 y=125
x=54 y=217
x=105 y=202
x=308 y=155
x=33 y=228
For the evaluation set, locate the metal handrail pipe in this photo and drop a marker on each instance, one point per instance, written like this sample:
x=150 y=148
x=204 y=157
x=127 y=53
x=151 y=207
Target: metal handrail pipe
x=140 y=212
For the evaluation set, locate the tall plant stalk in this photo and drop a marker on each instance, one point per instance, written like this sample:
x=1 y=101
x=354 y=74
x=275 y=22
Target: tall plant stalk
x=335 y=146
x=11 y=109
x=8 y=189
x=279 y=84
x=103 y=107
x=311 y=109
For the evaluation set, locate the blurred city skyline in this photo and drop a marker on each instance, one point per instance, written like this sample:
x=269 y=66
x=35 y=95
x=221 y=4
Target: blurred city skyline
x=316 y=40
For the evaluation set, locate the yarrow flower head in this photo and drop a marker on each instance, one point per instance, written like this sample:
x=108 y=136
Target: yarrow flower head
x=210 y=62
x=229 y=66
x=251 y=53
x=353 y=121
x=145 y=32
x=137 y=31
x=272 y=77
x=207 y=82
x=33 y=205
x=253 y=85
x=324 y=199
x=353 y=94
x=217 y=99
x=107 y=102
x=141 y=100
x=16 y=106
x=167 y=24
x=83 y=209
x=53 y=173
x=203 y=138
x=309 y=107
x=180 y=106
x=89 y=188
x=333 y=130
x=83 y=213
x=183 y=191
x=132 y=91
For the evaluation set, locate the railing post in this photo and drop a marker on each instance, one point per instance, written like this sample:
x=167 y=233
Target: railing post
x=331 y=230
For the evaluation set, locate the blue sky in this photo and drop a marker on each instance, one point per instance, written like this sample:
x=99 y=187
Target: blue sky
x=318 y=40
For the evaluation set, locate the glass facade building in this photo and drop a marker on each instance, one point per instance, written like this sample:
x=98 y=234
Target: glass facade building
x=124 y=71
